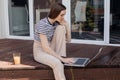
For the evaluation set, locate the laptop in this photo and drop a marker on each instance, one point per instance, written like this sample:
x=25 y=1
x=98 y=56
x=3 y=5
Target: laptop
x=82 y=62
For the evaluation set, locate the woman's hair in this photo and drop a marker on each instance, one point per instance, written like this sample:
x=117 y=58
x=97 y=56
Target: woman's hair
x=56 y=8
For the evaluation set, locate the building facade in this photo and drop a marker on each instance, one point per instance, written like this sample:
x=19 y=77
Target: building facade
x=91 y=21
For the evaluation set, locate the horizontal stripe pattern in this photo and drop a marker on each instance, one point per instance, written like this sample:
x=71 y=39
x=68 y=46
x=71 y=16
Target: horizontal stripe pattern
x=44 y=27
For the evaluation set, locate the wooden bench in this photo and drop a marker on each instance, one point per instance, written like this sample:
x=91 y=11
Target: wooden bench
x=105 y=67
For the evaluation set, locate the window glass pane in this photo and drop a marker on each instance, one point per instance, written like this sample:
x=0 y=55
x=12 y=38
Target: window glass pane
x=115 y=21
x=18 y=18
x=87 y=19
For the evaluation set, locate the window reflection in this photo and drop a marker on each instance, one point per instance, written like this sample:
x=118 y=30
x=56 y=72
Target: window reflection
x=18 y=18
x=115 y=21
x=87 y=19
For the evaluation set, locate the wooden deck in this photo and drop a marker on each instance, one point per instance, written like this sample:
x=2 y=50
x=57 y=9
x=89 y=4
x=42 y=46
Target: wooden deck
x=105 y=67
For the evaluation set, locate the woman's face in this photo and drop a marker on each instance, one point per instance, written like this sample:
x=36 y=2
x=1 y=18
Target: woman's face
x=61 y=16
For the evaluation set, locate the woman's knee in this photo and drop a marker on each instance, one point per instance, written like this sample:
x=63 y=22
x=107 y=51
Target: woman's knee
x=57 y=64
x=61 y=28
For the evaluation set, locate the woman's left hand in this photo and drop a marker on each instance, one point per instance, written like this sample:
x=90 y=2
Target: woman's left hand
x=65 y=23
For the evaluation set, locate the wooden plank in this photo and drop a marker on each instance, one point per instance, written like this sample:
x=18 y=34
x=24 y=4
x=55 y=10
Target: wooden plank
x=75 y=74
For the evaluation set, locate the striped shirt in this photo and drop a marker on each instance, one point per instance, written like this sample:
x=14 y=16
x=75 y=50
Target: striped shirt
x=46 y=28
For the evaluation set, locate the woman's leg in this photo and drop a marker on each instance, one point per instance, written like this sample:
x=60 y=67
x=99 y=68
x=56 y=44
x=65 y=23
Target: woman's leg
x=58 y=43
x=42 y=57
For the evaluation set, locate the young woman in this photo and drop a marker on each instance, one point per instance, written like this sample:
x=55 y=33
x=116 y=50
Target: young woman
x=50 y=37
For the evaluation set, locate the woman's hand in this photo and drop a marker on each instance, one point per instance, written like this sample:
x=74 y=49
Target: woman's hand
x=65 y=23
x=67 y=60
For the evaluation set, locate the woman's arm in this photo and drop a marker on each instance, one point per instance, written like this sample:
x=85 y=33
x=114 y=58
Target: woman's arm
x=68 y=31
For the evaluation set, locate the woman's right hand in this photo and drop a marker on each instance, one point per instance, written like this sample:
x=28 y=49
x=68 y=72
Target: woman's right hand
x=67 y=60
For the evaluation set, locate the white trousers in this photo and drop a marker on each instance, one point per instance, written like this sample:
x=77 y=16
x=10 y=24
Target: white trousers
x=58 y=44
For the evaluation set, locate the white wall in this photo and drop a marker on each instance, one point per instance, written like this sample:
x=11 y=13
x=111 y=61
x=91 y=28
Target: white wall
x=3 y=21
x=0 y=19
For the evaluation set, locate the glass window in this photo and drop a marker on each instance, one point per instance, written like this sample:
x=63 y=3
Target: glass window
x=115 y=22
x=87 y=19
x=18 y=18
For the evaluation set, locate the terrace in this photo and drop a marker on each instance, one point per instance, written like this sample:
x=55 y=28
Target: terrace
x=106 y=66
